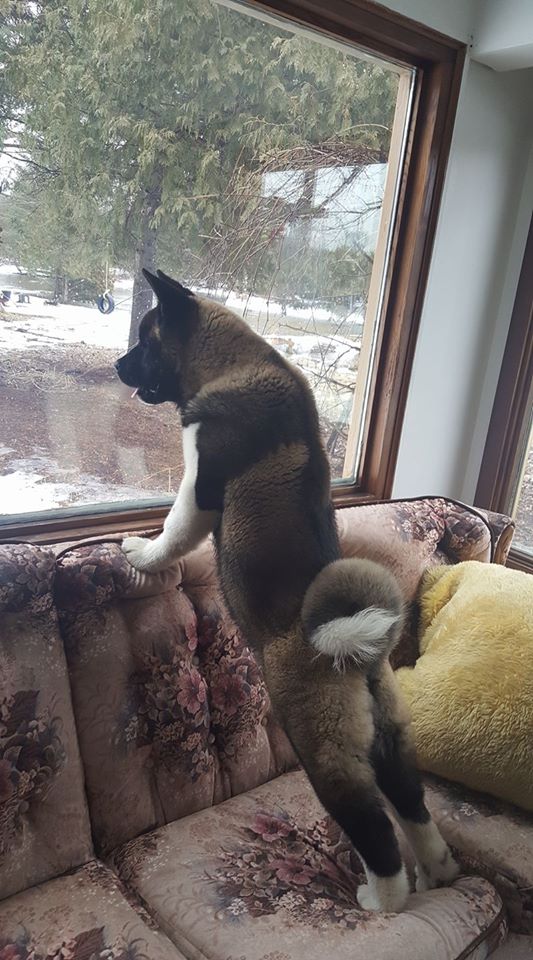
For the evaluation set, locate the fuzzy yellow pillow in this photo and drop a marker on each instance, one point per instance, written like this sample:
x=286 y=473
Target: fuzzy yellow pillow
x=471 y=690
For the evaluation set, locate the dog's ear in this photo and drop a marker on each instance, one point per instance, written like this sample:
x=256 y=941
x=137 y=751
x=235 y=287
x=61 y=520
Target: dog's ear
x=174 y=283
x=165 y=288
x=176 y=302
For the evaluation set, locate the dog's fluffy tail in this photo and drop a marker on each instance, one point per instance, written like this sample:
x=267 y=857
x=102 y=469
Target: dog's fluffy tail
x=353 y=612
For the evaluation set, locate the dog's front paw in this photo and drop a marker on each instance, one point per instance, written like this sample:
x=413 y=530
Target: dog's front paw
x=141 y=554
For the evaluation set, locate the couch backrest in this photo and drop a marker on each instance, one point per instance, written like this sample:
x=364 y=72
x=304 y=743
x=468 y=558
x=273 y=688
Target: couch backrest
x=171 y=709
x=408 y=536
x=44 y=824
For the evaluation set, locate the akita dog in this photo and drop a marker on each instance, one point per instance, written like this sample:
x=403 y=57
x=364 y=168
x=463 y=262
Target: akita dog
x=257 y=478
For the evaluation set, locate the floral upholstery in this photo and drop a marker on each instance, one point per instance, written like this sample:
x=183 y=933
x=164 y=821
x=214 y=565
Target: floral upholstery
x=492 y=839
x=266 y=875
x=502 y=530
x=172 y=717
x=44 y=827
x=408 y=536
x=140 y=702
x=171 y=709
x=79 y=917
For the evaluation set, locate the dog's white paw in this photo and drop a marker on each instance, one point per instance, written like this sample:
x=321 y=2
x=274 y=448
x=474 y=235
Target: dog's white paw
x=384 y=894
x=141 y=554
x=367 y=900
x=440 y=872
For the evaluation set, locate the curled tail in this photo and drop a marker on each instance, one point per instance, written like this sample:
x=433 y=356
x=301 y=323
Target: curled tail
x=353 y=611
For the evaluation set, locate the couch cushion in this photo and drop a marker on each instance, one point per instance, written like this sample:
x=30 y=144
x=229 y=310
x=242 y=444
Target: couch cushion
x=408 y=536
x=80 y=917
x=267 y=875
x=492 y=839
x=44 y=827
x=172 y=712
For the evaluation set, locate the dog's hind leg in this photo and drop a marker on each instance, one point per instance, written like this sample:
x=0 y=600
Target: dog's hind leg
x=394 y=760
x=359 y=810
x=185 y=526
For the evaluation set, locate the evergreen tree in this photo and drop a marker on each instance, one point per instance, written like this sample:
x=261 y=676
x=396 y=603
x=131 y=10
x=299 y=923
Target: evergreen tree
x=135 y=115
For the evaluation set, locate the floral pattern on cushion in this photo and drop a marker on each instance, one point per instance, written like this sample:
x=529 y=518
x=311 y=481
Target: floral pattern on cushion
x=95 y=574
x=492 y=839
x=467 y=534
x=237 y=694
x=141 y=706
x=277 y=866
x=41 y=781
x=31 y=754
x=26 y=577
x=167 y=706
x=177 y=689
x=269 y=872
x=408 y=536
x=87 y=945
x=84 y=916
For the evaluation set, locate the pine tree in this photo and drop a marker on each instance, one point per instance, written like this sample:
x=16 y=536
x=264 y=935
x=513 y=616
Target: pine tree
x=135 y=115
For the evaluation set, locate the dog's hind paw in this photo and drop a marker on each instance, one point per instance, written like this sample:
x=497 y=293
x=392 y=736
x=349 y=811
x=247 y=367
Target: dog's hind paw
x=439 y=873
x=384 y=894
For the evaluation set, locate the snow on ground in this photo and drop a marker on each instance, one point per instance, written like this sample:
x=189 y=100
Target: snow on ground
x=26 y=326
x=27 y=488
x=38 y=324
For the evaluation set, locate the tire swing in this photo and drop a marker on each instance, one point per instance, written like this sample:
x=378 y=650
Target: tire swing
x=105 y=303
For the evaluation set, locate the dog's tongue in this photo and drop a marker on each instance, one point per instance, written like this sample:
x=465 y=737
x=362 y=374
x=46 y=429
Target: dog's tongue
x=135 y=392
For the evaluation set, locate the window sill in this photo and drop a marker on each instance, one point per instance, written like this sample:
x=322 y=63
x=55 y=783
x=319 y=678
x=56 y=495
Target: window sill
x=520 y=560
x=116 y=521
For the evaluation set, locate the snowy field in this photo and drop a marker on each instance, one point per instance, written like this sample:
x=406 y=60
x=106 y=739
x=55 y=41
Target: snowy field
x=41 y=323
x=38 y=474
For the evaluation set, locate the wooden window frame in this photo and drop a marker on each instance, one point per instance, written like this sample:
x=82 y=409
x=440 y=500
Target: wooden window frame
x=438 y=61
x=509 y=424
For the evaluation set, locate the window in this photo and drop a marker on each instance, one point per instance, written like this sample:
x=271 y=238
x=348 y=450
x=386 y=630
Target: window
x=523 y=505
x=257 y=159
x=506 y=476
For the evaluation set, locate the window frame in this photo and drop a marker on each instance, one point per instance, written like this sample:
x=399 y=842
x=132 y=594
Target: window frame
x=438 y=61
x=509 y=424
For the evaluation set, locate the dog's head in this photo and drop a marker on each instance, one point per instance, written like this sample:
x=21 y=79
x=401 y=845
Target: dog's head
x=154 y=366
x=186 y=342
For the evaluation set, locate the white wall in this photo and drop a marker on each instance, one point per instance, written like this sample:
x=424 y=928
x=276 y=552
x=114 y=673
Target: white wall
x=455 y=18
x=466 y=315
x=485 y=210
x=504 y=34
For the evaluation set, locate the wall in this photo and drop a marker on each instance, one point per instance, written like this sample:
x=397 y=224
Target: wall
x=481 y=233
x=455 y=18
x=504 y=34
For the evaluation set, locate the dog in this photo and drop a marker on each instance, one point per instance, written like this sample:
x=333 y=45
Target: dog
x=257 y=477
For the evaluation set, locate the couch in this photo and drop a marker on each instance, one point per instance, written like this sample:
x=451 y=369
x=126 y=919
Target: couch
x=152 y=809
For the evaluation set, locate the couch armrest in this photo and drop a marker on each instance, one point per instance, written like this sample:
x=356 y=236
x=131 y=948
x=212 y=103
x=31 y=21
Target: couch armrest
x=502 y=530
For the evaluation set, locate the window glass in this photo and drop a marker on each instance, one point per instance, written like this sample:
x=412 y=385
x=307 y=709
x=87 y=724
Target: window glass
x=255 y=161
x=523 y=508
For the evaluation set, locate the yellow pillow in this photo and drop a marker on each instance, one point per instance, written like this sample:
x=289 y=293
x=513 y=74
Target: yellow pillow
x=471 y=690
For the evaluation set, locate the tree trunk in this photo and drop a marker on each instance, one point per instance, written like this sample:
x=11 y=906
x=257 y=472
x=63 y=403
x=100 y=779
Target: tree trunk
x=59 y=286
x=145 y=254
